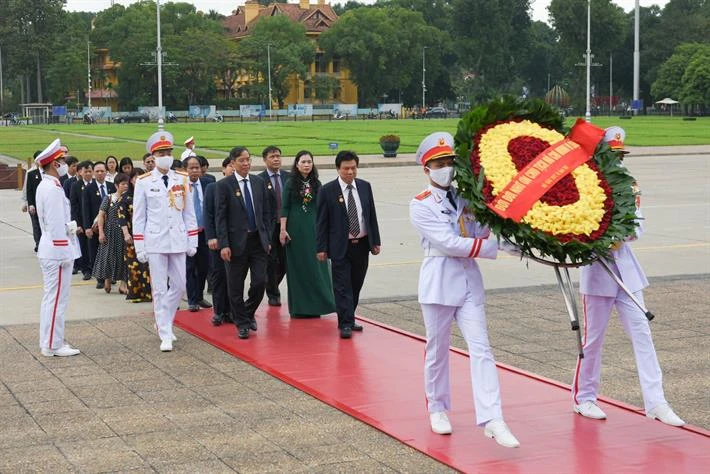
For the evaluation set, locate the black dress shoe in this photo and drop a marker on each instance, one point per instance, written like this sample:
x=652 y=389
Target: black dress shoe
x=204 y=303
x=252 y=325
x=346 y=333
x=243 y=333
x=274 y=302
x=86 y=277
x=100 y=285
x=217 y=320
x=357 y=327
x=193 y=308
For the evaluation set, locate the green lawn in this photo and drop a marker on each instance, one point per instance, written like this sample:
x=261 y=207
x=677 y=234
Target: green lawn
x=96 y=141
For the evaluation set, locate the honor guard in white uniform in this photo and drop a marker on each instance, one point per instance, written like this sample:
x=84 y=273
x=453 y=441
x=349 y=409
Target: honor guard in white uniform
x=164 y=231
x=600 y=293
x=57 y=249
x=189 y=149
x=451 y=289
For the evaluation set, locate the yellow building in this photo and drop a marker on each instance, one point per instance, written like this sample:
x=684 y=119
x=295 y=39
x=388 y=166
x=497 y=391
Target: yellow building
x=104 y=80
x=316 y=18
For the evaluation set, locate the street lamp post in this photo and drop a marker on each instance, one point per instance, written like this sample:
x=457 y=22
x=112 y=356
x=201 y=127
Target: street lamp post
x=637 y=55
x=88 y=72
x=423 y=78
x=588 y=113
x=159 y=59
x=268 y=59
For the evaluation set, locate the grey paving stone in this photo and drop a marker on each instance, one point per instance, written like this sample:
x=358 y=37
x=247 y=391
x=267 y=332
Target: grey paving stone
x=37 y=458
x=167 y=447
x=101 y=455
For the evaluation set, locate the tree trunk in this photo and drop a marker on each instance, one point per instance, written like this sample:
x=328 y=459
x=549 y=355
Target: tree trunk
x=39 y=81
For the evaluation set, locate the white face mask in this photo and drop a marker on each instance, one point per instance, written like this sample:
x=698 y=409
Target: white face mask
x=164 y=162
x=442 y=176
x=63 y=169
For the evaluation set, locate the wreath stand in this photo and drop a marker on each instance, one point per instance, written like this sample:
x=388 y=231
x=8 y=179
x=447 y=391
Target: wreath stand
x=564 y=282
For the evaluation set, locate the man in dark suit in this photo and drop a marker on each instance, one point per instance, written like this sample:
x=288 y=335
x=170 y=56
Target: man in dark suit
x=197 y=265
x=84 y=175
x=217 y=275
x=205 y=168
x=243 y=222
x=91 y=199
x=346 y=232
x=32 y=180
x=275 y=178
x=73 y=164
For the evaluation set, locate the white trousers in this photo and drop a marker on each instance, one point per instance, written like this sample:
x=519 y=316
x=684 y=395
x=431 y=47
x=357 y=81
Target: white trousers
x=471 y=319
x=164 y=266
x=597 y=311
x=57 y=281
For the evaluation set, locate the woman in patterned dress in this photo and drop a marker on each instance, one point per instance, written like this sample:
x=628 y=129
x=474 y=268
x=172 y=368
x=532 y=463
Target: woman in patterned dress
x=138 y=274
x=109 y=265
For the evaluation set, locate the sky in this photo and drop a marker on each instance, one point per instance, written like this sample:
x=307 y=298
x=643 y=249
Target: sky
x=225 y=7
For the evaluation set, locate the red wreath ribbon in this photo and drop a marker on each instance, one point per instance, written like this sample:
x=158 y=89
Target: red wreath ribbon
x=545 y=170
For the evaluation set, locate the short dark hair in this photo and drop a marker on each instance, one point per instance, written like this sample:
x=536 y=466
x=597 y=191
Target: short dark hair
x=186 y=161
x=269 y=149
x=177 y=164
x=121 y=178
x=226 y=162
x=99 y=163
x=36 y=154
x=147 y=155
x=85 y=164
x=137 y=172
x=70 y=160
x=236 y=151
x=203 y=161
x=346 y=155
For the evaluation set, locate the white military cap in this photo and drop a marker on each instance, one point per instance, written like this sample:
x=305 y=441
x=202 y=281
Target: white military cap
x=159 y=141
x=53 y=152
x=189 y=140
x=437 y=145
x=615 y=137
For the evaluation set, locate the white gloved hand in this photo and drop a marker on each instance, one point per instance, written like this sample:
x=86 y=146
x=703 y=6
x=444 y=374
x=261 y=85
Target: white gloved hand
x=191 y=251
x=142 y=257
x=71 y=228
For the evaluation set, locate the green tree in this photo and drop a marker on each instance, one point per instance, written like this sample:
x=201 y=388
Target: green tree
x=669 y=79
x=695 y=90
x=289 y=49
x=66 y=67
x=382 y=48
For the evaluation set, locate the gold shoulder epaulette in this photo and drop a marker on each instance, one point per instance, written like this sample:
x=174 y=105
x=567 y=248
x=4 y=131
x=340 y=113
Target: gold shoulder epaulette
x=423 y=195
x=144 y=175
x=184 y=173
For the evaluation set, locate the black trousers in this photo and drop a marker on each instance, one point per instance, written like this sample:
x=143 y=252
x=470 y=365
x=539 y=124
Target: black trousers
x=82 y=263
x=92 y=245
x=253 y=260
x=275 y=267
x=218 y=282
x=36 y=229
x=348 y=278
x=196 y=271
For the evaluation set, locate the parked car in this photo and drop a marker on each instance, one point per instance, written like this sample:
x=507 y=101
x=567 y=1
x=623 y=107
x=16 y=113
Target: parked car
x=140 y=117
x=434 y=112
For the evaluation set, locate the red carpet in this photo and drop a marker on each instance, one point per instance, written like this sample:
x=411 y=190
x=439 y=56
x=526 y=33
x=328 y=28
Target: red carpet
x=377 y=377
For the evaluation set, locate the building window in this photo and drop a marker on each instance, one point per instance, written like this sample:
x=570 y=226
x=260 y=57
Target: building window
x=336 y=65
x=321 y=63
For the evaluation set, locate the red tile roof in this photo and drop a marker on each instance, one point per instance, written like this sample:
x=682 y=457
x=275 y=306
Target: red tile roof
x=316 y=19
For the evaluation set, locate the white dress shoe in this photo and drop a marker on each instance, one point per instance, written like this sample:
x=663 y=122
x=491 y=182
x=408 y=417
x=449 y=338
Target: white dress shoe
x=440 y=423
x=590 y=409
x=65 y=351
x=665 y=414
x=498 y=430
x=166 y=345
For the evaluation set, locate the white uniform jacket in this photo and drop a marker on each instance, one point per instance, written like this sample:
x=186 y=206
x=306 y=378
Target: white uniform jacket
x=54 y=214
x=595 y=280
x=164 y=218
x=452 y=239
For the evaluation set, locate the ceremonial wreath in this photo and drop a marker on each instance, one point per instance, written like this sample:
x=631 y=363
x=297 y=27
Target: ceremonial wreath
x=558 y=195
